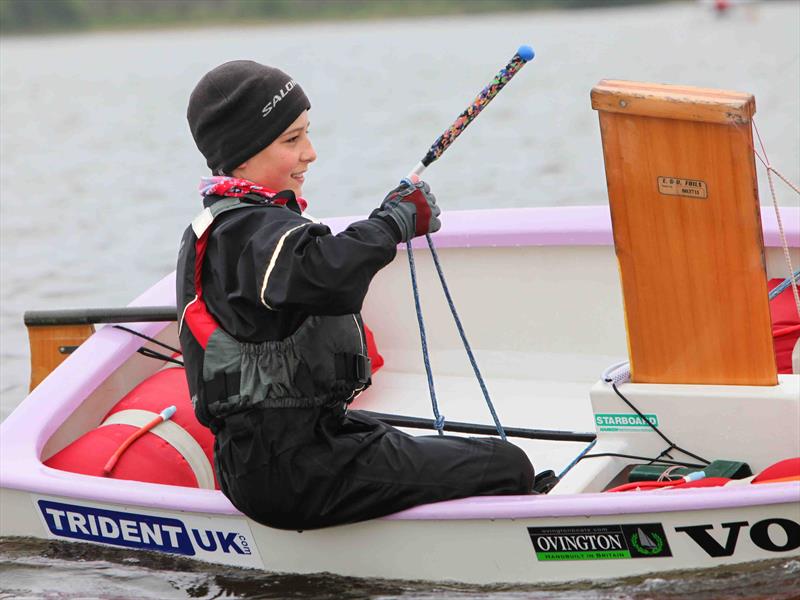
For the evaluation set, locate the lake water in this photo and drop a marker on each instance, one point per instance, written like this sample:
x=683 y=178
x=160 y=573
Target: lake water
x=99 y=172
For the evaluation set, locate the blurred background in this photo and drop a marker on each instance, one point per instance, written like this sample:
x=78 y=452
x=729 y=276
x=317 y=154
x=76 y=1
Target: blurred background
x=99 y=173
x=66 y=15
x=98 y=170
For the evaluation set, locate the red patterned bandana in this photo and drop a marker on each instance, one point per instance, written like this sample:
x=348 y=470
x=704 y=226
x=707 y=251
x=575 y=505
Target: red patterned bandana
x=231 y=187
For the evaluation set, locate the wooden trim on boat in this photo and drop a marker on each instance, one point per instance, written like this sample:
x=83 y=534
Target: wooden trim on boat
x=51 y=345
x=673 y=102
x=54 y=334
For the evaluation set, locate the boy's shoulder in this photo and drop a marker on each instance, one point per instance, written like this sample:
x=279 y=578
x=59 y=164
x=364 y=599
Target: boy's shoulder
x=260 y=216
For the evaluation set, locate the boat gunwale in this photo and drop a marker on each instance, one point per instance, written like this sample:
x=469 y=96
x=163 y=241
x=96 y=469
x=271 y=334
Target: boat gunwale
x=25 y=431
x=556 y=226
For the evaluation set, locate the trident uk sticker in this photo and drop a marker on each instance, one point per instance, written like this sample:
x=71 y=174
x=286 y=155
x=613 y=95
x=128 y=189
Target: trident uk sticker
x=600 y=542
x=221 y=539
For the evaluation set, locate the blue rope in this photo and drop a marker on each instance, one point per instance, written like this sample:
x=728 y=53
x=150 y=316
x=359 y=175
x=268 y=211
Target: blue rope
x=463 y=335
x=784 y=284
x=577 y=458
x=439 y=421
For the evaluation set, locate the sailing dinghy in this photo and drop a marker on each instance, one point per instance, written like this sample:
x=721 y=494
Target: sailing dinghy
x=686 y=457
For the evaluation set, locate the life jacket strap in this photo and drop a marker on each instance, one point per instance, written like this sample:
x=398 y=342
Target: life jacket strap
x=223 y=385
x=206 y=217
x=353 y=367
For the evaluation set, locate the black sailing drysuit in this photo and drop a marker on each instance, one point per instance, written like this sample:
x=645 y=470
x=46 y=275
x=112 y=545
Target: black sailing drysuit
x=274 y=351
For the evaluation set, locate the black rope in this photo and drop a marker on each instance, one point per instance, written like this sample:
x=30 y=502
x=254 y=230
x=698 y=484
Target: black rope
x=148 y=338
x=672 y=445
x=648 y=459
x=153 y=354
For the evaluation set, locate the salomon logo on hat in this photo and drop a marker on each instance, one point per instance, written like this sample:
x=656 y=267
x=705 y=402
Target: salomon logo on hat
x=227 y=109
x=278 y=97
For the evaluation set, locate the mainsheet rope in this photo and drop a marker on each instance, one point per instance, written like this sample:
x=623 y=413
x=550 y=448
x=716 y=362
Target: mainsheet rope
x=463 y=335
x=439 y=421
x=442 y=143
x=439 y=418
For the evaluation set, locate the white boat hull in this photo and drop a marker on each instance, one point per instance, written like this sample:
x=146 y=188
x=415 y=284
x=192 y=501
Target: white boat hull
x=538 y=292
x=524 y=550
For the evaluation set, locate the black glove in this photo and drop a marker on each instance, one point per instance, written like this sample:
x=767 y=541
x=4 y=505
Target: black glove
x=413 y=209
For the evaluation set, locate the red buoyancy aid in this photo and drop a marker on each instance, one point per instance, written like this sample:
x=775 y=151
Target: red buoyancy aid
x=324 y=361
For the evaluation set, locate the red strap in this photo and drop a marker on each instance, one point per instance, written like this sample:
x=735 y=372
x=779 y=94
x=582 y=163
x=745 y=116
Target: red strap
x=197 y=317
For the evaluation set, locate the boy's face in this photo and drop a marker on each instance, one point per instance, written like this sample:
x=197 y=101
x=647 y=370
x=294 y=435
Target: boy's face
x=282 y=164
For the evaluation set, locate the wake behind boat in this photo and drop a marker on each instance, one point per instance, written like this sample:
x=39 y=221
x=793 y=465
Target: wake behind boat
x=700 y=436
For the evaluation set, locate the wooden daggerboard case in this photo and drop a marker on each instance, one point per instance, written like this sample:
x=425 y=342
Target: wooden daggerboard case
x=684 y=203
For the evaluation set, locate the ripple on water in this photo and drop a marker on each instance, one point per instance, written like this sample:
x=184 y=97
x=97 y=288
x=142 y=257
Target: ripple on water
x=55 y=569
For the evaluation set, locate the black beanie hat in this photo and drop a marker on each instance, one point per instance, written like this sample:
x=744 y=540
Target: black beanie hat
x=240 y=108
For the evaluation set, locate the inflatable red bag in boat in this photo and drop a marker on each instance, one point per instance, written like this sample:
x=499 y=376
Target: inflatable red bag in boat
x=785 y=326
x=179 y=451
x=785 y=470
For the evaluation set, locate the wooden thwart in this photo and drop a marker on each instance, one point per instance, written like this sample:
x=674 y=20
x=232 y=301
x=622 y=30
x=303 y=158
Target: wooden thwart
x=51 y=345
x=54 y=334
x=687 y=231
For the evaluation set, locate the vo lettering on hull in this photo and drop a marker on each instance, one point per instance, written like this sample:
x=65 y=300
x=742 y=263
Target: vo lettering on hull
x=772 y=535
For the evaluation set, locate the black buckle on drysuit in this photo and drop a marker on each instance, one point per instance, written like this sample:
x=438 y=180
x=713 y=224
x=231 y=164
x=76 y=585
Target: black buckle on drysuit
x=353 y=367
x=222 y=387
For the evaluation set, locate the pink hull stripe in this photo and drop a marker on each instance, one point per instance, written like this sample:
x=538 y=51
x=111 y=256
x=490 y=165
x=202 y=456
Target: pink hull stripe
x=555 y=226
x=24 y=433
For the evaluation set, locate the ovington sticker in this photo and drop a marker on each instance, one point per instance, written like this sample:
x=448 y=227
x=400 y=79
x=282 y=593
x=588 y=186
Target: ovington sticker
x=600 y=542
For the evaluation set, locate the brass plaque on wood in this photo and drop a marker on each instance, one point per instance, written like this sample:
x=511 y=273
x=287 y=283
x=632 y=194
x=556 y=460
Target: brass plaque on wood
x=678 y=186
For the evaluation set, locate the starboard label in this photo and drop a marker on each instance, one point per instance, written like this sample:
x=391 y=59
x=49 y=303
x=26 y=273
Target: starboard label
x=600 y=542
x=219 y=540
x=624 y=422
x=679 y=186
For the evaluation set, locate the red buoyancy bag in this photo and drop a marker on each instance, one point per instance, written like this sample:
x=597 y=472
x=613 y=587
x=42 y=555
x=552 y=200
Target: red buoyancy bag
x=176 y=452
x=785 y=326
x=179 y=451
x=372 y=350
x=784 y=470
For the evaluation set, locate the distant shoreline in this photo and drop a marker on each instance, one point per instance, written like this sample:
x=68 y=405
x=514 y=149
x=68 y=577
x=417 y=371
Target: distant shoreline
x=46 y=17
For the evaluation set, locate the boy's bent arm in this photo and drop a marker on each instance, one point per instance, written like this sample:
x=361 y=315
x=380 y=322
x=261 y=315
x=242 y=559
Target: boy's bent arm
x=311 y=270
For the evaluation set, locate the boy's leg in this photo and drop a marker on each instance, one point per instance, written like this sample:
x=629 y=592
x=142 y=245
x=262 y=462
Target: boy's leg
x=357 y=468
x=387 y=470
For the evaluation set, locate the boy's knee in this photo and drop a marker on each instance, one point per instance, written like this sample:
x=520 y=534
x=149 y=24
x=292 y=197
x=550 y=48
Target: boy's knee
x=516 y=463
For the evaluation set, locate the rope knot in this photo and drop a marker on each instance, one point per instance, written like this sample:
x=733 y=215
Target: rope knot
x=438 y=424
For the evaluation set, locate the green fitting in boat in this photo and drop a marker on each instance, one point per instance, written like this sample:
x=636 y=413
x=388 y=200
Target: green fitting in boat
x=729 y=469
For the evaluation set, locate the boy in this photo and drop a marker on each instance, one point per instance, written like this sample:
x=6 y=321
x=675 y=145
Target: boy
x=271 y=333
